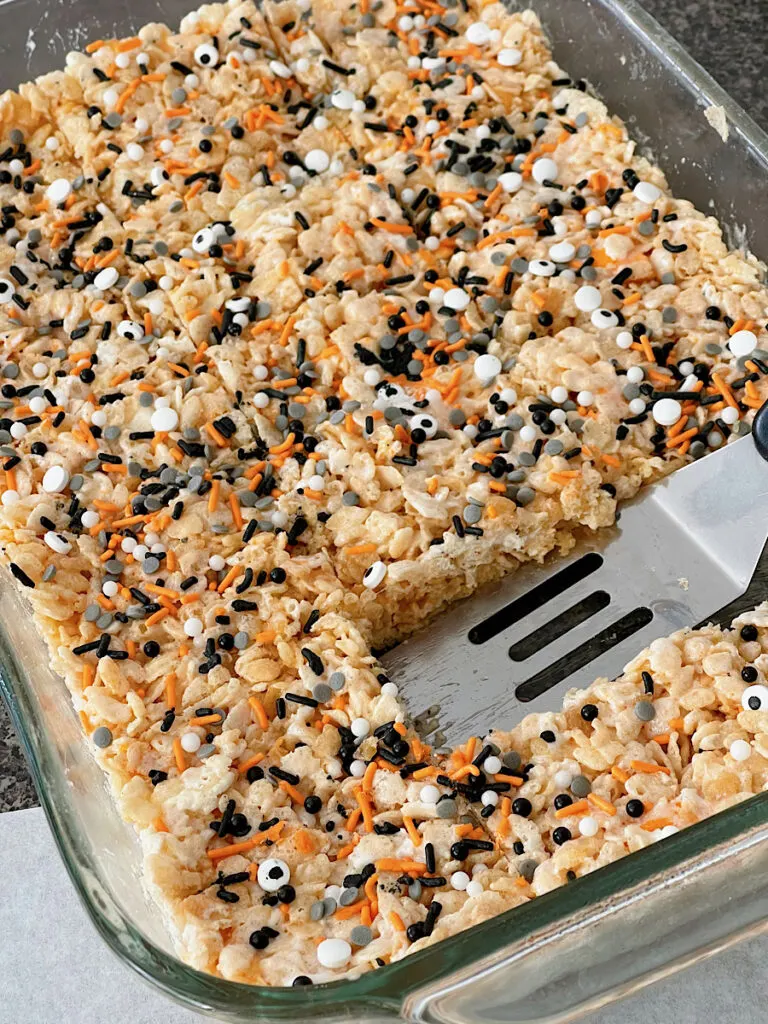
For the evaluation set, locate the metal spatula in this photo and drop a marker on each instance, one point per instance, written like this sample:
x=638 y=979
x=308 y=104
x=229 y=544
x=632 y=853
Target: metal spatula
x=685 y=548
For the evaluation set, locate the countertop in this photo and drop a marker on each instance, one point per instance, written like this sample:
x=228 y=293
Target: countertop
x=727 y=38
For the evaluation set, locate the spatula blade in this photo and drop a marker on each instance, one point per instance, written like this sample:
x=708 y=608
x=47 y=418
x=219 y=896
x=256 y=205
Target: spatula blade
x=681 y=551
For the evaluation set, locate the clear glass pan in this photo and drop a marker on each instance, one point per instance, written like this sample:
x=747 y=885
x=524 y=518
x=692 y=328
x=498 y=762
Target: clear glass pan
x=572 y=950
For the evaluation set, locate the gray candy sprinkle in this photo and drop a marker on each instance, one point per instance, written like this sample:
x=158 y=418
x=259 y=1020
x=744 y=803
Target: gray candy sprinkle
x=102 y=737
x=581 y=786
x=447 y=808
x=336 y=681
x=360 y=935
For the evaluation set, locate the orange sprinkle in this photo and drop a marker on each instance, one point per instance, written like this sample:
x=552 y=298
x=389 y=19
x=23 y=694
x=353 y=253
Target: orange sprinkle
x=413 y=832
x=649 y=768
x=178 y=753
x=258 y=710
x=601 y=804
x=248 y=844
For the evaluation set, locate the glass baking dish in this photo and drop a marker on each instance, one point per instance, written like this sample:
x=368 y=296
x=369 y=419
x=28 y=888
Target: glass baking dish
x=577 y=948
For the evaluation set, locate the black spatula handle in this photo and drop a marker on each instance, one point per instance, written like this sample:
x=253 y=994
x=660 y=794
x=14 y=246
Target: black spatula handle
x=760 y=431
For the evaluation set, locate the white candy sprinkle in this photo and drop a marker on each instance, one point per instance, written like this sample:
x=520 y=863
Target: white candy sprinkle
x=729 y=416
x=478 y=33
x=667 y=411
x=432 y=243
x=109 y=589
x=357 y=769
x=281 y=70
x=106 y=278
x=123 y=60
x=390 y=690
x=510 y=181
x=587 y=298
x=489 y=798
x=624 y=339
x=742 y=343
x=527 y=433
x=588 y=826
x=302 y=65
x=646 y=192
x=559 y=394
x=562 y=252
x=635 y=374
x=636 y=406
x=317 y=160
x=40 y=370
x=508 y=395
x=740 y=750
x=321 y=123
x=459 y=880
x=585 y=398
x=127 y=544
x=372 y=377
x=360 y=727
x=139 y=552
x=55 y=480
x=474 y=888
x=664 y=833
x=374 y=575
x=487 y=367
x=18 y=430
x=429 y=794
x=166 y=282
x=333 y=953
x=509 y=57
x=56 y=543
x=59 y=190
x=51 y=143
x=593 y=218
x=343 y=99
x=272 y=874
x=109 y=98
x=193 y=626
x=544 y=169
x=8 y=498
x=134 y=152
x=470 y=431
x=456 y=298
x=492 y=765
x=316 y=483
x=563 y=778
x=90 y=518
x=558 y=417
x=190 y=742
x=216 y=562
x=164 y=420
x=166 y=146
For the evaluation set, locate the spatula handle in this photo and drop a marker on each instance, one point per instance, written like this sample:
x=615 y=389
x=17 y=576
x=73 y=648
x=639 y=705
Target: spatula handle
x=760 y=431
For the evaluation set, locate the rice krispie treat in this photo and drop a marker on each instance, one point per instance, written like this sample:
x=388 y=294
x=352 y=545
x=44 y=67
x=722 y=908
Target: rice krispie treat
x=314 y=320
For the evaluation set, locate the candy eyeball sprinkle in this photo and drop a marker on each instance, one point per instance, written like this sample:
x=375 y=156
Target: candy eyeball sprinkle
x=206 y=55
x=273 y=874
x=755 y=698
x=426 y=423
x=203 y=240
x=131 y=330
x=158 y=175
x=6 y=289
x=374 y=575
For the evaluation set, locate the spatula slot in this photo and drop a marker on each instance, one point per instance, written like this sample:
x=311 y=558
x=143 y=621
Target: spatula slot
x=571 y=617
x=535 y=598
x=581 y=656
